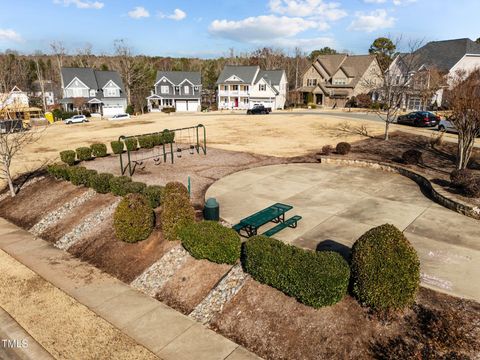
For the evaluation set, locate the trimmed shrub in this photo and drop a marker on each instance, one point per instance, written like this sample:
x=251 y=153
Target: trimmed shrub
x=177 y=210
x=385 y=269
x=168 y=136
x=117 y=147
x=212 y=241
x=59 y=171
x=168 y=110
x=129 y=110
x=146 y=141
x=68 y=157
x=84 y=153
x=412 y=157
x=343 y=148
x=135 y=187
x=134 y=219
x=131 y=144
x=327 y=149
x=101 y=183
x=118 y=185
x=80 y=176
x=99 y=150
x=314 y=278
x=157 y=139
x=154 y=194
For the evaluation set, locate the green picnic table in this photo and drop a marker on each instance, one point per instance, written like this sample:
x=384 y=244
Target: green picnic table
x=275 y=213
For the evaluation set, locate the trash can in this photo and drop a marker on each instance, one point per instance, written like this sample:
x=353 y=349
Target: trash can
x=211 y=211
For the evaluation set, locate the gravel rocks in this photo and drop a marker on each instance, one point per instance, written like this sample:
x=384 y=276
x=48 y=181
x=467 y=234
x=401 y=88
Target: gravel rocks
x=55 y=216
x=226 y=289
x=153 y=278
x=87 y=225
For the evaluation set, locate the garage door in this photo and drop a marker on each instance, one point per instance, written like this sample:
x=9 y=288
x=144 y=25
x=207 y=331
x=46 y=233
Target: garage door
x=112 y=110
x=181 y=105
x=192 y=105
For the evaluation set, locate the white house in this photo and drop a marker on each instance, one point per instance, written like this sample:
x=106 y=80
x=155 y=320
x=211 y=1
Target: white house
x=15 y=99
x=48 y=91
x=99 y=91
x=241 y=87
x=447 y=56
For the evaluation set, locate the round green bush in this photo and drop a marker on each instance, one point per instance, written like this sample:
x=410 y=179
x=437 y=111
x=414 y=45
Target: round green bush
x=157 y=139
x=412 y=157
x=99 y=150
x=314 y=278
x=146 y=141
x=212 y=241
x=129 y=110
x=154 y=194
x=168 y=136
x=101 y=183
x=343 y=148
x=385 y=269
x=135 y=187
x=79 y=175
x=68 y=157
x=84 y=153
x=117 y=147
x=118 y=185
x=133 y=219
x=131 y=144
x=59 y=171
x=177 y=210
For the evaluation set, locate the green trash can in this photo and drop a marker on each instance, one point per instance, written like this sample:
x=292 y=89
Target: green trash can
x=211 y=211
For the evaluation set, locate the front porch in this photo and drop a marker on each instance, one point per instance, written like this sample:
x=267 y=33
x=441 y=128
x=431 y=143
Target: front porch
x=233 y=103
x=156 y=103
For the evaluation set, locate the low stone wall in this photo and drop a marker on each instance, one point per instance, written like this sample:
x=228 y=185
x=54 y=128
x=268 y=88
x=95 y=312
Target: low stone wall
x=435 y=192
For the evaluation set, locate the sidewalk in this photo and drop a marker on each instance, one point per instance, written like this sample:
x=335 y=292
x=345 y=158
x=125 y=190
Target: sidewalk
x=160 y=329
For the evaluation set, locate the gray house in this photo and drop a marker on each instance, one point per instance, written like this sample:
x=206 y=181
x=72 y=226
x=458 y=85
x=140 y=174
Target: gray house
x=100 y=92
x=181 y=90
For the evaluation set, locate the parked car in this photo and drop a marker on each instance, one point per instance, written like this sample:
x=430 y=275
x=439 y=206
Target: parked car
x=419 y=118
x=119 y=117
x=259 y=109
x=7 y=126
x=76 y=119
x=446 y=125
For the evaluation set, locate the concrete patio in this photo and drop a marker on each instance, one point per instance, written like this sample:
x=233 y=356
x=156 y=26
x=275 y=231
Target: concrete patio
x=338 y=204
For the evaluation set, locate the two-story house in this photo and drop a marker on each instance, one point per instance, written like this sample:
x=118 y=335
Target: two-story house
x=241 y=87
x=332 y=80
x=98 y=91
x=446 y=58
x=181 y=90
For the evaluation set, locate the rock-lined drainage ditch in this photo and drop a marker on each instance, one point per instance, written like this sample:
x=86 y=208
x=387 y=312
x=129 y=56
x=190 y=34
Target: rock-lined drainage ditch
x=86 y=226
x=56 y=215
x=226 y=289
x=152 y=279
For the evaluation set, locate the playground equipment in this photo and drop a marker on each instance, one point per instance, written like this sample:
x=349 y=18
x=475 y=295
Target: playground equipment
x=163 y=145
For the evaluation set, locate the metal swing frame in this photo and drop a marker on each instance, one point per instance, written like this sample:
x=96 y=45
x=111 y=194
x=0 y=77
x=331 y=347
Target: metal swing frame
x=167 y=149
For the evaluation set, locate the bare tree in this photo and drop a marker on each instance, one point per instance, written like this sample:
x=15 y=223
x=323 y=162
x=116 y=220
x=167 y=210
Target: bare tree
x=41 y=81
x=464 y=101
x=426 y=84
x=79 y=103
x=396 y=84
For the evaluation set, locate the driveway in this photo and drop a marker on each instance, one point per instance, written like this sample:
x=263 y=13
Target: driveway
x=338 y=204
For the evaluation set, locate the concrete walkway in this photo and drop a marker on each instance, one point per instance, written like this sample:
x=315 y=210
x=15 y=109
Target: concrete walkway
x=162 y=330
x=338 y=204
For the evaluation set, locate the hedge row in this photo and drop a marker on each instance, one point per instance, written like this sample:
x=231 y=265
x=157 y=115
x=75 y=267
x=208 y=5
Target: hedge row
x=106 y=183
x=313 y=278
x=83 y=153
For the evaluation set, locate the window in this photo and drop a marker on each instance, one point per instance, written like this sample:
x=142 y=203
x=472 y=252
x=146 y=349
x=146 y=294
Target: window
x=234 y=87
x=311 y=82
x=196 y=88
x=164 y=89
x=177 y=89
x=340 y=81
x=225 y=87
x=109 y=92
x=186 y=89
x=262 y=87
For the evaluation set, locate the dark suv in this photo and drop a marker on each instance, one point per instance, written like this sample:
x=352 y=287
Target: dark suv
x=259 y=109
x=419 y=118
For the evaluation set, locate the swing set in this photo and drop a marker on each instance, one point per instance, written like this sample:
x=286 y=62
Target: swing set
x=163 y=145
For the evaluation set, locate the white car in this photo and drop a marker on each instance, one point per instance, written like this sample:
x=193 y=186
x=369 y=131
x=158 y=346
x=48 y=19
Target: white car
x=120 y=117
x=446 y=125
x=76 y=119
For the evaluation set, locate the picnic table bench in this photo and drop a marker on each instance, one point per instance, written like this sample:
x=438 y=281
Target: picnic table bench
x=274 y=213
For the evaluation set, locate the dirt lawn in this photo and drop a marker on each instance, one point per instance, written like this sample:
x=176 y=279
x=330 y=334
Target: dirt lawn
x=281 y=134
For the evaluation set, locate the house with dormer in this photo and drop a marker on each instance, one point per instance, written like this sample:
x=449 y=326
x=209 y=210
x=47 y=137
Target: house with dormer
x=332 y=80
x=100 y=92
x=241 y=87
x=181 y=90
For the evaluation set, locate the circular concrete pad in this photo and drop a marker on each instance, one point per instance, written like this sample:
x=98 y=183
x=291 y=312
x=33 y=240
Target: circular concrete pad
x=338 y=204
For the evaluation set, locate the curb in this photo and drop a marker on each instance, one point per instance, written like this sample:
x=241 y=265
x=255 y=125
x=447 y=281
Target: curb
x=437 y=194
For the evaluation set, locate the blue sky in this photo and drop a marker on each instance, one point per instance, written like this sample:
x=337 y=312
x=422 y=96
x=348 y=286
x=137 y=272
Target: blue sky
x=208 y=28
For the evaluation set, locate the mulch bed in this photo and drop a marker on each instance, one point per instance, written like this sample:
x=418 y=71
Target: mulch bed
x=191 y=284
x=437 y=165
x=276 y=326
